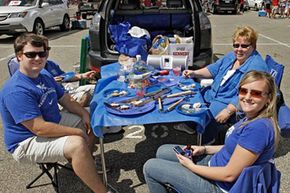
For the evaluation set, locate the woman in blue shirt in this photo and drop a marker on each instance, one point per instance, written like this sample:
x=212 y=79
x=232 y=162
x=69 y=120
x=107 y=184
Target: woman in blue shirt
x=251 y=141
x=226 y=74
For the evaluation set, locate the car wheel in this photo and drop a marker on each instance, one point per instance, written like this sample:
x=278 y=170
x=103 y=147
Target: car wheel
x=38 y=27
x=65 y=23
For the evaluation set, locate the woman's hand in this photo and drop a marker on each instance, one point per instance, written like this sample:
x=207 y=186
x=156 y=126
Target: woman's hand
x=197 y=150
x=89 y=75
x=223 y=116
x=188 y=73
x=185 y=161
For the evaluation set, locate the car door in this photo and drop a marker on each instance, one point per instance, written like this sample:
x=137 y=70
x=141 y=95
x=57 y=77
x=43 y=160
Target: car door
x=59 y=9
x=54 y=17
x=46 y=13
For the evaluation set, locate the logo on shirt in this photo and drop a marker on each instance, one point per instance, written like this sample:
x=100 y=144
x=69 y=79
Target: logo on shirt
x=230 y=130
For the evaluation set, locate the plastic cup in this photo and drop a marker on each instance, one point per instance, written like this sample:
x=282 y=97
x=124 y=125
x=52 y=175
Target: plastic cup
x=176 y=69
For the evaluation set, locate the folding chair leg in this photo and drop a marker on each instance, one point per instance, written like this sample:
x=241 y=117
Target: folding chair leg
x=46 y=167
x=35 y=179
x=45 y=170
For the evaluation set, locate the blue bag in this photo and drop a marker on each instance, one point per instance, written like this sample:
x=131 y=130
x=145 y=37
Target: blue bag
x=128 y=45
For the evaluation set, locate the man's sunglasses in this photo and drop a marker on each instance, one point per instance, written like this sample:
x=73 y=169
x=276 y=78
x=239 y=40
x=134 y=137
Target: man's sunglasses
x=254 y=93
x=242 y=45
x=33 y=54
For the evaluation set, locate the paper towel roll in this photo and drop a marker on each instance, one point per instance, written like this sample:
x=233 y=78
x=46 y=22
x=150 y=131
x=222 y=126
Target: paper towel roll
x=166 y=61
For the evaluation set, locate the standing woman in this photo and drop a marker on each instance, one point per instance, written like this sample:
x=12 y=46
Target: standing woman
x=227 y=73
x=251 y=141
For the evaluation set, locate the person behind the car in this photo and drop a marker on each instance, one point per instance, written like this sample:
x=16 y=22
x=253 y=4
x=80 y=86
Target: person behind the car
x=226 y=74
x=34 y=129
x=219 y=166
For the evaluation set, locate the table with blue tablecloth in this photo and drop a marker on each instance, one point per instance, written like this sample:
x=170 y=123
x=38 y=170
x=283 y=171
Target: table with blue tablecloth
x=100 y=118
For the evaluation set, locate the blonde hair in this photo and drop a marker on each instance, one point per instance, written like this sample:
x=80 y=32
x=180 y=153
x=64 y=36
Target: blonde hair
x=269 y=110
x=248 y=33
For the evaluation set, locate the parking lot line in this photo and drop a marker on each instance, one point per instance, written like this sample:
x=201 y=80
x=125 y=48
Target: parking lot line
x=278 y=42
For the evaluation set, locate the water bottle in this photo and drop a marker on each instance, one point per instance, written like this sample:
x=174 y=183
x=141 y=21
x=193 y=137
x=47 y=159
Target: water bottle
x=139 y=67
x=122 y=74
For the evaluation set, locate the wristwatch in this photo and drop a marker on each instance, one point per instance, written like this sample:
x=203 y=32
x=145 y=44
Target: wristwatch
x=229 y=111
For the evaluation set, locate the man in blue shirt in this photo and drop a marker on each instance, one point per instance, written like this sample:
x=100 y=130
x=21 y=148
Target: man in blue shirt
x=34 y=129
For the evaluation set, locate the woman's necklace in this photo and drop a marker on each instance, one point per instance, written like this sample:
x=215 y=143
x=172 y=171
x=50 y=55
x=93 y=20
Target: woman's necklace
x=236 y=65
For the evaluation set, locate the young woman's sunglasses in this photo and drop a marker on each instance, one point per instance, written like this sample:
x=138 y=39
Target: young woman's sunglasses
x=34 y=54
x=254 y=93
x=242 y=45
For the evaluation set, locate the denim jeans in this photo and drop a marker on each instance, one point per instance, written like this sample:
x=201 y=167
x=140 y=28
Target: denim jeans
x=165 y=168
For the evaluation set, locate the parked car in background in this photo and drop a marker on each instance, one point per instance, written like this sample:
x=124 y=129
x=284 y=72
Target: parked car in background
x=255 y=4
x=217 y=6
x=17 y=16
x=183 y=17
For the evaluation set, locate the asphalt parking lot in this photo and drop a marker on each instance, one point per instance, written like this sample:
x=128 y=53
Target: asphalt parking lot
x=126 y=153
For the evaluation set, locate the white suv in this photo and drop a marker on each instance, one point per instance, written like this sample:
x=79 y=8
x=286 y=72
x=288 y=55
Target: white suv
x=255 y=4
x=18 y=16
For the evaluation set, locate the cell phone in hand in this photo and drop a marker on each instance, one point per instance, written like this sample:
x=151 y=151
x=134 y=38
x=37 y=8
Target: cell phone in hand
x=178 y=150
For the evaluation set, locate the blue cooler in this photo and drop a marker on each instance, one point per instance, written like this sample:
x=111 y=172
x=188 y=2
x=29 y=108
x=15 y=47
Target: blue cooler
x=262 y=13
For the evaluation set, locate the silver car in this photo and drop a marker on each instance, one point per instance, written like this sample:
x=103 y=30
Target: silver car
x=32 y=16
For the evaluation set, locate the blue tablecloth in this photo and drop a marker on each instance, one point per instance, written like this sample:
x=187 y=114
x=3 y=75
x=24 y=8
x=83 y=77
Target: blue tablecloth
x=100 y=118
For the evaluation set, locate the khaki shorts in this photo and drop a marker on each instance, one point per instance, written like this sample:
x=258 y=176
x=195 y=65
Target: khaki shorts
x=46 y=149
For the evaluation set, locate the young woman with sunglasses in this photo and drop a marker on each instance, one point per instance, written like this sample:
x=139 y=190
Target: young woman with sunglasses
x=251 y=141
x=226 y=74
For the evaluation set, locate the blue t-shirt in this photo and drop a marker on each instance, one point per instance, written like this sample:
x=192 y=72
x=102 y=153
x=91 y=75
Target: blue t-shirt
x=257 y=136
x=226 y=94
x=23 y=98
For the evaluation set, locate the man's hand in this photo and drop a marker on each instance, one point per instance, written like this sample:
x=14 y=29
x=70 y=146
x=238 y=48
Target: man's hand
x=89 y=75
x=86 y=120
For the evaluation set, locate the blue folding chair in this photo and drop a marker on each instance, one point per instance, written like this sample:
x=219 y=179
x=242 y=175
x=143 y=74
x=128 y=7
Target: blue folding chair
x=277 y=70
x=13 y=65
x=258 y=179
x=262 y=178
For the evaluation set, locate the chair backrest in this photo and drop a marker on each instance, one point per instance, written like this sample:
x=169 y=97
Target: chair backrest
x=13 y=65
x=276 y=69
x=258 y=179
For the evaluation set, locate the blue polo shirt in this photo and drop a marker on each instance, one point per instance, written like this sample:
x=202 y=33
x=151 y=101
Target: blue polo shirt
x=23 y=98
x=221 y=96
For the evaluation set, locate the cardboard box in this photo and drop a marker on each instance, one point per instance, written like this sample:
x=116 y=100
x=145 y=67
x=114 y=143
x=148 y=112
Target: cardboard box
x=182 y=49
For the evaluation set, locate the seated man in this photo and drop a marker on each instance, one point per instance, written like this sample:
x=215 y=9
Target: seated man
x=34 y=129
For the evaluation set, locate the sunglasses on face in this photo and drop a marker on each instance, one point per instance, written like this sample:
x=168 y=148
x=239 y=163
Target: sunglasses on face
x=34 y=54
x=241 y=45
x=254 y=93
